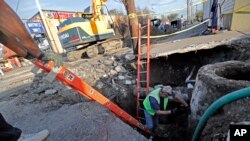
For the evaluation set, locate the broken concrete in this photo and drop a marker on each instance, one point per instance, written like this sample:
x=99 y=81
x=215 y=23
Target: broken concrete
x=62 y=110
x=50 y=91
x=120 y=69
x=166 y=48
x=121 y=77
x=130 y=57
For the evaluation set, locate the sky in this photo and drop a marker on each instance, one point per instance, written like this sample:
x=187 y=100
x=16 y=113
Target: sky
x=27 y=8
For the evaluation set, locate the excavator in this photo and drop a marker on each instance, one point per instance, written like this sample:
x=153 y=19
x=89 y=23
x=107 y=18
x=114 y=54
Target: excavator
x=15 y=36
x=81 y=36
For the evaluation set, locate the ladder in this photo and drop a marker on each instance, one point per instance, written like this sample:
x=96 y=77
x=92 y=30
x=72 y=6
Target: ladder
x=143 y=74
x=70 y=79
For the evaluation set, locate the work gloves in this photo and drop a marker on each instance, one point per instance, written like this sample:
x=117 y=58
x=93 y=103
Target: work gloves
x=51 y=56
x=181 y=109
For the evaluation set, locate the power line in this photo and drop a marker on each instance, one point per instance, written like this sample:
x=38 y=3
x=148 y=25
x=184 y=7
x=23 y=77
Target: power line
x=18 y=1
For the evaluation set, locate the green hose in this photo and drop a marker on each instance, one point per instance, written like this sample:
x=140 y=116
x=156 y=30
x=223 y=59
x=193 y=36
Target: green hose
x=233 y=96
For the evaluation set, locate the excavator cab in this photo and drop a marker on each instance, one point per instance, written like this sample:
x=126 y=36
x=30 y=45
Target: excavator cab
x=75 y=32
x=88 y=16
x=90 y=34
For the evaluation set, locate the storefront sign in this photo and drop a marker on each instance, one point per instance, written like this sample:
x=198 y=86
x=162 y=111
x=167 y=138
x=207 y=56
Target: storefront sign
x=61 y=15
x=35 y=27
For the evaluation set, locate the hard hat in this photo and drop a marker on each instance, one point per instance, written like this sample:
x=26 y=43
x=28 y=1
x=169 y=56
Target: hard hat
x=167 y=89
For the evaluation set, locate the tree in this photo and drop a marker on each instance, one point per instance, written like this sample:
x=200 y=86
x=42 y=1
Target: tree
x=143 y=15
x=199 y=15
x=115 y=12
x=132 y=20
x=164 y=18
x=117 y=16
x=146 y=13
x=172 y=16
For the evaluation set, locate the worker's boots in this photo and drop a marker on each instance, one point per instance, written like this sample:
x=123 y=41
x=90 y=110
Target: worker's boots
x=7 y=131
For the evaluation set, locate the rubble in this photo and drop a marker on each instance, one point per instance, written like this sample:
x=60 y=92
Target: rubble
x=130 y=57
x=113 y=72
x=108 y=62
x=62 y=110
x=128 y=82
x=50 y=91
x=121 y=77
x=133 y=65
x=120 y=69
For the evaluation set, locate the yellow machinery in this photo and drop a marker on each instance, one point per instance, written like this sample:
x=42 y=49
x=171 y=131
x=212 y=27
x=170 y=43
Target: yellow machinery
x=81 y=36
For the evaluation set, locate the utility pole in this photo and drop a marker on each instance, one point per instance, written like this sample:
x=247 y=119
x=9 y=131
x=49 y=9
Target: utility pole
x=189 y=11
x=52 y=43
x=133 y=22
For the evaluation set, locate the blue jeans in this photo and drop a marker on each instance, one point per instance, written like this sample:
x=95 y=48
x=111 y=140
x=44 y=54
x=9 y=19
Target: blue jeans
x=151 y=121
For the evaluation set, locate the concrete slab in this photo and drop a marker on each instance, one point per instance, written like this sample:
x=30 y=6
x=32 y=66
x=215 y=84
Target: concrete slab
x=194 y=43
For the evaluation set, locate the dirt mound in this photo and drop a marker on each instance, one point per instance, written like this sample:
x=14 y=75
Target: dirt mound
x=82 y=121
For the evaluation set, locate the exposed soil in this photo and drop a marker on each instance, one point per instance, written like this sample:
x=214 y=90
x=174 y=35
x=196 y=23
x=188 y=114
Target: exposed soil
x=174 y=70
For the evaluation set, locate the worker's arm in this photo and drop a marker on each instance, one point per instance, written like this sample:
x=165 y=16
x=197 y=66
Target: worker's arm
x=14 y=35
x=182 y=101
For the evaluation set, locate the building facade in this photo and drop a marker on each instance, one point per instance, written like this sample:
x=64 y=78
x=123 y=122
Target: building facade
x=235 y=14
x=53 y=19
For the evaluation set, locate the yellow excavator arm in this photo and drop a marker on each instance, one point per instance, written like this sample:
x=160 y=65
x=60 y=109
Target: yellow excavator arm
x=97 y=9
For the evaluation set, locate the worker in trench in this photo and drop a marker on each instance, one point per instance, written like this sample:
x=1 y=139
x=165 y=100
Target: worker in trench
x=152 y=105
x=14 y=35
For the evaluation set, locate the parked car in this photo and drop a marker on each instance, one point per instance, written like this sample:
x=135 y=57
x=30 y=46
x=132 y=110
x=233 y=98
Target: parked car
x=43 y=44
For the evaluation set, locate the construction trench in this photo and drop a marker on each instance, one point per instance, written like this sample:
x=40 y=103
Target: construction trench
x=34 y=104
x=214 y=73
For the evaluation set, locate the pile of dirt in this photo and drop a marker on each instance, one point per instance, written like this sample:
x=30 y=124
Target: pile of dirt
x=112 y=75
x=82 y=121
x=153 y=31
